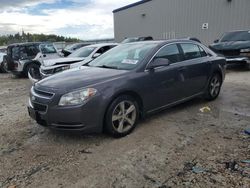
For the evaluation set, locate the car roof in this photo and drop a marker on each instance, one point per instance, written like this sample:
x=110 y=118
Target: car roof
x=102 y=44
x=164 y=42
x=28 y=43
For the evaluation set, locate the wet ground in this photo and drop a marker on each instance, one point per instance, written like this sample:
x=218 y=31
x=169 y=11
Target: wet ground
x=179 y=147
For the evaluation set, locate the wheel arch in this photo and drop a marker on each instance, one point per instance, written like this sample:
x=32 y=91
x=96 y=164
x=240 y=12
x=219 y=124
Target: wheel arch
x=131 y=93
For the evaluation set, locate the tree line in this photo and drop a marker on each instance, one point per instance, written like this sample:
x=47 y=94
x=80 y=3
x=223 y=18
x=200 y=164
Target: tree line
x=28 y=37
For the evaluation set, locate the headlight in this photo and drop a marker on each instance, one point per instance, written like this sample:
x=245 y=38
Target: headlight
x=245 y=50
x=77 y=97
x=60 y=69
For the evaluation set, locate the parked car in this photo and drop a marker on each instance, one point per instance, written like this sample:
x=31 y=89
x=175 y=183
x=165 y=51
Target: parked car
x=234 y=46
x=78 y=58
x=72 y=47
x=129 y=81
x=1 y=62
x=136 y=39
x=23 y=58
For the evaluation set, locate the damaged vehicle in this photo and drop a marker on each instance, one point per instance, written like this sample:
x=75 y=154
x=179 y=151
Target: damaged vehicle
x=129 y=81
x=1 y=62
x=25 y=58
x=78 y=58
x=234 y=46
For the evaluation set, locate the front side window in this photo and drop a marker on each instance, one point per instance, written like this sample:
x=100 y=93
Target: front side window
x=191 y=51
x=170 y=52
x=31 y=50
x=203 y=52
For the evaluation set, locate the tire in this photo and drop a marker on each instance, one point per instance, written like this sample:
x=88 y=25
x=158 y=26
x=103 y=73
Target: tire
x=4 y=66
x=247 y=66
x=214 y=87
x=122 y=116
x=33 y=69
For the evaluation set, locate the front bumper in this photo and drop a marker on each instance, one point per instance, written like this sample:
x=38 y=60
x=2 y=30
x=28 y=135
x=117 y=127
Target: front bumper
x=237 y=60
x=87 y=118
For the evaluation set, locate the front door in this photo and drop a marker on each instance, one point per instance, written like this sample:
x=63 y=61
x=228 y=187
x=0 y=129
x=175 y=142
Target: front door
x=165 y=84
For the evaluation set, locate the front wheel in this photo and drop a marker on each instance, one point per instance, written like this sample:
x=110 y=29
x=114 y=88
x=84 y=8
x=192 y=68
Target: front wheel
x=122 y=116
x=33 y=70
x=214 y=87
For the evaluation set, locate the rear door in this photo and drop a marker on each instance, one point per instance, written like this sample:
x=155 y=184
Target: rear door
x=195 y=68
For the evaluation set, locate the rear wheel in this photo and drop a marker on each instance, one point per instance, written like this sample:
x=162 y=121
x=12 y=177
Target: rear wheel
x=122 y=116
x=214 y=87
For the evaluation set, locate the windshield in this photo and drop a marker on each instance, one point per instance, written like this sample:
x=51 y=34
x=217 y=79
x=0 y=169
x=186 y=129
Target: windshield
x=48 y=48
x=82 y=52
x=124 y=57
x=236 y=36
x=73 y=47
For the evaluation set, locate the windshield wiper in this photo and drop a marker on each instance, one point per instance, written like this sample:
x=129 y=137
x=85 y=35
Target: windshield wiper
x=108 y=67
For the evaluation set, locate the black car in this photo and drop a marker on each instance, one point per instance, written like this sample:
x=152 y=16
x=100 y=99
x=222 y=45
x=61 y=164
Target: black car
x=234 y=46
x=129 y=81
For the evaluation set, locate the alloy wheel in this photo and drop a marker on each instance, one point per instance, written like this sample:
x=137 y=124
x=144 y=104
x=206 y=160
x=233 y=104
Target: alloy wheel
x=124 y=116
x=215 y=85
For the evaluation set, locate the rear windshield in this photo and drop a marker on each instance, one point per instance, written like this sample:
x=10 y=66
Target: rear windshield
x=236 y=36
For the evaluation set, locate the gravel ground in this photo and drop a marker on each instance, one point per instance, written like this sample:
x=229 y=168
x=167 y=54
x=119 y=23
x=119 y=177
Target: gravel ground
x=179 y=147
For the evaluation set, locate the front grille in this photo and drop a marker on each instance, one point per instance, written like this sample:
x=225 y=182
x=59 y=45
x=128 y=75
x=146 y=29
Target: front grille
x=230 y=53
x=39 y=107
x=48 y=71
x=43 y=94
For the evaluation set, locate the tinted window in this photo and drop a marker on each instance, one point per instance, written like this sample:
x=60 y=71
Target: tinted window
x=191 y=51
x=203 y=52
x=236 y=36
x=31 y=51
x=104 y=49
x=170 y=52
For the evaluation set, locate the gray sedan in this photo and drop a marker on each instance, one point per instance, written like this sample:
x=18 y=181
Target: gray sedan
x=128 y=82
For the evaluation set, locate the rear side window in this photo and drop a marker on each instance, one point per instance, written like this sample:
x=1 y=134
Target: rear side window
x=170 y=52
x=191 y=51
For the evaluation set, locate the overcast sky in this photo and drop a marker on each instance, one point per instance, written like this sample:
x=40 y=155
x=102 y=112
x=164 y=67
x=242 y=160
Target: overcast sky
x=84 y=19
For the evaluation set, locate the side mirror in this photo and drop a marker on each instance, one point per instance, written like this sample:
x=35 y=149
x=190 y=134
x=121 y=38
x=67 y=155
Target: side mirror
x=216 y=41
x=96 y=55
x=159 y=62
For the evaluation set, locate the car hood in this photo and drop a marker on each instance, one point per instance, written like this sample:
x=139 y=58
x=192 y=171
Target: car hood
x=80 y=77
x=232 y=45
x=62 y=60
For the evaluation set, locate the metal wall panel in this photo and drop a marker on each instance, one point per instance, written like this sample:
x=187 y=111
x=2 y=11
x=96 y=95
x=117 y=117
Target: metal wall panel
x=165 y=19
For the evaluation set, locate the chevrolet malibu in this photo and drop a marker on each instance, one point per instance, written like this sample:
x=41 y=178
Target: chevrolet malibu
x=130 y=81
